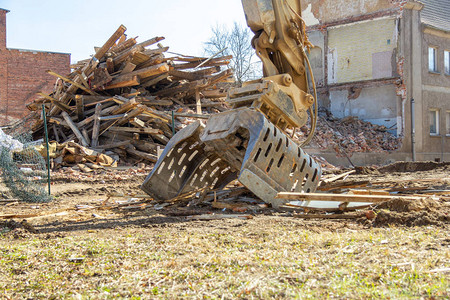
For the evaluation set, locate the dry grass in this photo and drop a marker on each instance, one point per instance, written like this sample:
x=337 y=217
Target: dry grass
x=267 y=257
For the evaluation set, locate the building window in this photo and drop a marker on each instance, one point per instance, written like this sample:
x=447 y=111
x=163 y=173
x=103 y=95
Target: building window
x=432 y=63
x=447 y=62
x=434 y=122
x=447 y=130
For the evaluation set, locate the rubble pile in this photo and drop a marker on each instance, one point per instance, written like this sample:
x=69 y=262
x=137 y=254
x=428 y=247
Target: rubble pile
x=129 y=97
x=127 y=100
x=350 y=135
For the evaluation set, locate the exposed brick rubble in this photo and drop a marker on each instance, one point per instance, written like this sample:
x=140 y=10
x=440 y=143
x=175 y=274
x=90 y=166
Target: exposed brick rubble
x=351 y=135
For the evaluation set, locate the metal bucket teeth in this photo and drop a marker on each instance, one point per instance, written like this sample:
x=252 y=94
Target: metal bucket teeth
x=243 y=139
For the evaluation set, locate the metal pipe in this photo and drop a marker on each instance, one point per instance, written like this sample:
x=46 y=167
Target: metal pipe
x=413 y=130
x=46 y=143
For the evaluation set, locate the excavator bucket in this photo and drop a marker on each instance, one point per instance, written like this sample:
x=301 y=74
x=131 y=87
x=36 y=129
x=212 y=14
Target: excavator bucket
x=238 y=144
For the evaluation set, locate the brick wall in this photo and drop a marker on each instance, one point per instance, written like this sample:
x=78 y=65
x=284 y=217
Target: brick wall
x=27 y=76
x=3 y=62
x=23 y=74
x=3 y=28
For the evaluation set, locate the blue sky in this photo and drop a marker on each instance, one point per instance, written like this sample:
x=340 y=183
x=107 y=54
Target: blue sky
x=76 y=26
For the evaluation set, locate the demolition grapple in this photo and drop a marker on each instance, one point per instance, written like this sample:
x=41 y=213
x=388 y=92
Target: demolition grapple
x=249 y=142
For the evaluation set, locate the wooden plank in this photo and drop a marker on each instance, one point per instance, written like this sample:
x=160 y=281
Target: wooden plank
x=96 y=129
x=59 y=104
x=220 y=61
x=151 y=41
x=368 y=192
x=85 y=135
x=146 y=156
x=151 y=52
x=337 y=177
x=184 y=75
x=219 y=217
x=122 y=39
x=214 y=93
x=144 y=73
x=137 y=123
x=131 y=81
x=113 y=117
x=75 y=129
x=153 y=102
x=89 y=99
x=113 y=145
x=110 y=65
x=161 y=138
x=55 y=133
x=85 y=121
x=17 y=216
x=123 y=46
x=107 y=99
x=155 y=60
x=139 y=58
x=145 y=146
x=343 y=185
x=79 y=99
x=154 y=81
x=194 y=116
x=89 y=91
x=110 y=42
x=198 y=101
x=135 y=130
x=340 y=197
x=101 y=77
x=129 y=67
x=129 y=115
x=83 y=79
x=125 y=55
x=213 y=104
x=125 y=106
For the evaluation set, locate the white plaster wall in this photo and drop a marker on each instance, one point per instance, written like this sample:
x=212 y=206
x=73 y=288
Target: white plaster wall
x=377 y=105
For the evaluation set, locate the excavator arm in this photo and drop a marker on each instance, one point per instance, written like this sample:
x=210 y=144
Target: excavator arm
x=249 y=142
x=280 y=41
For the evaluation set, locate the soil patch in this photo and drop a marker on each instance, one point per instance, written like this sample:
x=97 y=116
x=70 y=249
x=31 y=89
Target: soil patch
x=404 y=166
x=386 y=218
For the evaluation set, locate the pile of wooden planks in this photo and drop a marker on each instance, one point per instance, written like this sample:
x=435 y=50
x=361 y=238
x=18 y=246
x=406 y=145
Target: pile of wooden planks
x=122 y=99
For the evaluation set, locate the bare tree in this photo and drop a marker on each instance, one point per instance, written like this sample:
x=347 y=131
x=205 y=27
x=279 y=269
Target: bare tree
x=237 y=42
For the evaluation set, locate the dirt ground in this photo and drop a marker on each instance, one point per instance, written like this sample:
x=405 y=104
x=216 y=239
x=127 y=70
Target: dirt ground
x=77 y=247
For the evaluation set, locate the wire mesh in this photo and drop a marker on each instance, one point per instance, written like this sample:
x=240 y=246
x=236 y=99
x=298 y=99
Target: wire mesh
x=24 y=172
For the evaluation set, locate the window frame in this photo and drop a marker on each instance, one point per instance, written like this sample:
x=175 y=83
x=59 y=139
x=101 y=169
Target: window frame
x=436 y=117
x=447 y=62
x=447 y=123
x=435 y=62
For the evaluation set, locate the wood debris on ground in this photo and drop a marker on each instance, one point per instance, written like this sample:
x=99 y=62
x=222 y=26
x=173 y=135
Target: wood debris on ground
x=339 y=194
x=120 y=101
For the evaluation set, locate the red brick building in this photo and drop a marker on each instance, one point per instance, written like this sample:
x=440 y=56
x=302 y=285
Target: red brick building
x=22 y=75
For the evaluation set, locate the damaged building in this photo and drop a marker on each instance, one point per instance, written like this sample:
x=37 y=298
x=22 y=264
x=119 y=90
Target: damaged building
x=22 y=75
x=385 y=61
